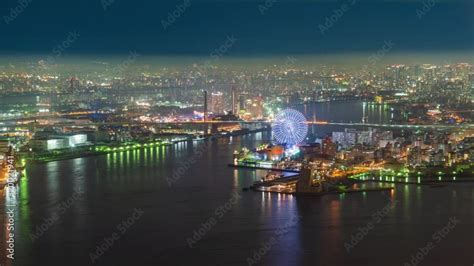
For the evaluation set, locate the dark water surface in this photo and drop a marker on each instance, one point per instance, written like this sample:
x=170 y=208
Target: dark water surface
x=287 y=230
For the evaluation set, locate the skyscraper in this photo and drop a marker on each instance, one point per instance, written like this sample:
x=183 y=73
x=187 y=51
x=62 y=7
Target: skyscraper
x=217 y=102
x=205 y=106
x=233 y=100
x=241 y=102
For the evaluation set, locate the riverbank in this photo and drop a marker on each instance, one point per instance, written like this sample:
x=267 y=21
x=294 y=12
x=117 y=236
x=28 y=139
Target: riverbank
x=254 y=167
x=320 y=194
x=94 y=150
x=418 y=178
x=102 y=149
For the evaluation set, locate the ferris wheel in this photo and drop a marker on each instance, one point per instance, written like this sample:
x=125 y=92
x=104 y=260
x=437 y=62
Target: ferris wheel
x=289 y=127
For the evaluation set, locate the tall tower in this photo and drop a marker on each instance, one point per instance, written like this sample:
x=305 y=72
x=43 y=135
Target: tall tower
x=314 y=111
x=233 y=100
x=205 y=105
x=73 y=84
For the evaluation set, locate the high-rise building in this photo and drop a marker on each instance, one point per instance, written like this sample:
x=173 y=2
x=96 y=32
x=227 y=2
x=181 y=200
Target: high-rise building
x=5 y=144
x=345 y=139
x=329 y=147
x=255 y=107
x=217 y=102
x=234 y=92
x=351 y=136
x=305 y=181
x=241 y=102
x=205 y=106
x=471 y=81
x=73 y=84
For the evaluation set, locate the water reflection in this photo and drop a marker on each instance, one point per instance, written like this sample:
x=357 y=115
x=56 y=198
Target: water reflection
x=112 y=188
x=281 y=222
x=368 y=112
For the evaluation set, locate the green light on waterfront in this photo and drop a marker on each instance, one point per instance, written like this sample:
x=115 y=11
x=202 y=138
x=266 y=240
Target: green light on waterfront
x=24 y=203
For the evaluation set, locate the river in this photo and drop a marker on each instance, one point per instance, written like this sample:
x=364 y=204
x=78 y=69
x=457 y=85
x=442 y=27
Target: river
x=178 y=206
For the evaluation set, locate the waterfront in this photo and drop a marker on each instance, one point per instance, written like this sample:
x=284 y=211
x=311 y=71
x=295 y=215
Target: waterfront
x=268 y=140
x=112 y=186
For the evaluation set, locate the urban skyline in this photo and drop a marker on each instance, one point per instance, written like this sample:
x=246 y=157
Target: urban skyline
x=238 y=132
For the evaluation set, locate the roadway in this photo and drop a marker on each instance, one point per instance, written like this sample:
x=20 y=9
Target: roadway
x=320 y=123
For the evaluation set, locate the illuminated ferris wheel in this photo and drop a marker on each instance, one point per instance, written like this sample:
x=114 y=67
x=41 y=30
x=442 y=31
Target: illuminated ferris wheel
x=289 y=127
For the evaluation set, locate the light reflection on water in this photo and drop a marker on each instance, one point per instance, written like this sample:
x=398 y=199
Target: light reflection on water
x=116 y=183
x=318 y=236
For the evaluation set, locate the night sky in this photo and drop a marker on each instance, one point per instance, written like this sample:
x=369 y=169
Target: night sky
x=285 y=27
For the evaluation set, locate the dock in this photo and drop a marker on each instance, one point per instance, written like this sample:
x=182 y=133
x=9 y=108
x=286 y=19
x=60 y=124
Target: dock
x=318 y=194
x=262 y=168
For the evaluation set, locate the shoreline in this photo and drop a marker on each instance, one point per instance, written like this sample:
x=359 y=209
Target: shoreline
x=93 y=150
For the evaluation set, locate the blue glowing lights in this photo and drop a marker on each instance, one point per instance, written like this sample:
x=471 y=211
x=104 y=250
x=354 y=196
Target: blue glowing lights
x=289 y=127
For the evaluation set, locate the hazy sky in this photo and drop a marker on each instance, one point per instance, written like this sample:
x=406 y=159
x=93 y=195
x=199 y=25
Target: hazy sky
x=201 y=27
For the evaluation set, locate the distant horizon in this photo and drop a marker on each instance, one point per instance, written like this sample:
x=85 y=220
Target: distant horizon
x=360 y=58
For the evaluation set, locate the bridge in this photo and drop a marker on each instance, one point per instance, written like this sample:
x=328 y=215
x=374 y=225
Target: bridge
x=78 y=123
